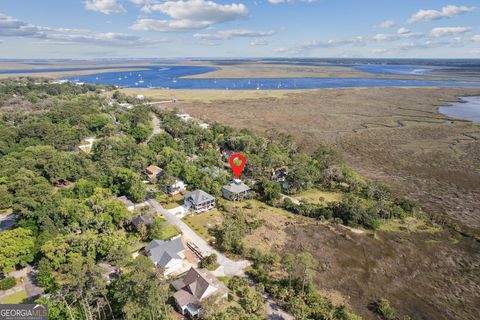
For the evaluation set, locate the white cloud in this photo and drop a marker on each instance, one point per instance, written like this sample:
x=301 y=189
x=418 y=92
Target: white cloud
x=105 y=39
x=10 y=27
x=448 y=31
x=384 y=37
x=169 y=25
x=104 y=6
x=234 y=33
x=189 y=15
x=476 y=38
x=445 y=12
x=290 y=1
x=387 y=24
x=260 y=42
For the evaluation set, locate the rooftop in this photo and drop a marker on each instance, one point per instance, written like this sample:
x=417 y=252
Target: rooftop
x=236 y=186
x=162 y=252
x=193 y=287
x=199 y=196
x=125 y=201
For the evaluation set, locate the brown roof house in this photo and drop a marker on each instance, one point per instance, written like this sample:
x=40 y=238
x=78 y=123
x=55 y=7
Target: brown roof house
x=235 y=190
x=153 y=172
x=199 y=201
x=195 y=287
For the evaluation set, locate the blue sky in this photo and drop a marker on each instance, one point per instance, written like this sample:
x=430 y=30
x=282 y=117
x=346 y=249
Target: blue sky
x=237 y=28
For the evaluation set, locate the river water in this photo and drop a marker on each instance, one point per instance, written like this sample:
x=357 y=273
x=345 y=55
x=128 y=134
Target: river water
x=467 y=109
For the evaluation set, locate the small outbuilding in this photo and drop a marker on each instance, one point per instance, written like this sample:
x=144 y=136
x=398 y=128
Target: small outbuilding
x=127 y=203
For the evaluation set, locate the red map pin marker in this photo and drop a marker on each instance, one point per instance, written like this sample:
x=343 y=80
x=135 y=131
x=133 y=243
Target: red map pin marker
x=237 y=170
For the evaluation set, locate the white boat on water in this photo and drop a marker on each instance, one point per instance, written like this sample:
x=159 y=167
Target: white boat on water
x=141 y=81
x=174 y=80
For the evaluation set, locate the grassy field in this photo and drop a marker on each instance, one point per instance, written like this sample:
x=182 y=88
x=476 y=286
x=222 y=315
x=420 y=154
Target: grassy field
x=170 y=202
x=15 y=298
x=201 y=222
x=206 y=95
x=319 y=196
x=394 y=135
x=389 y=134
x=409 y=224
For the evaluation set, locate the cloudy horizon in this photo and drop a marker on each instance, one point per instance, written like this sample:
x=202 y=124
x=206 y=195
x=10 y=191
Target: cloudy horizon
x=82 y=29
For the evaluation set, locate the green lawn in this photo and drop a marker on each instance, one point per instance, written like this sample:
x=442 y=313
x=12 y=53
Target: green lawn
x=409 y=224
x=15 y=298
x=170 y=202
x=200 y=223
x=169 y=232
x=318 y=196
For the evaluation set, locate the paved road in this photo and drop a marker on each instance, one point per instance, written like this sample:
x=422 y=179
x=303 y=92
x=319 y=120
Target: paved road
x=227 y=267
x=7 y=221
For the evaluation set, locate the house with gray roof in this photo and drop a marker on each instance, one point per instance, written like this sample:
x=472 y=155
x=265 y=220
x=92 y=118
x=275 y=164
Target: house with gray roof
x=127 y=203
x=199 y=201
x=196 y=286
x=144 y=219
x=168 y=255
x=235 y=190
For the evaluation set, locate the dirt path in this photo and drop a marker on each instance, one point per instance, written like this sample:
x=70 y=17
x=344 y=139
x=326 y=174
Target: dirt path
x=156 y=127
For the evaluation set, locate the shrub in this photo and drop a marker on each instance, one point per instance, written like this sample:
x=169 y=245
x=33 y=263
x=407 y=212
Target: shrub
x=384 y=309
x=7 y=283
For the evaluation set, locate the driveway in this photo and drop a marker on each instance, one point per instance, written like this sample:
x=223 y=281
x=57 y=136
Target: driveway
x=227 y=267
x=7 y=221
x=180 y=211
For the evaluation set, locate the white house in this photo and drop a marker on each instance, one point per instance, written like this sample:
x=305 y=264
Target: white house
x=176 y=187
x=168 y=255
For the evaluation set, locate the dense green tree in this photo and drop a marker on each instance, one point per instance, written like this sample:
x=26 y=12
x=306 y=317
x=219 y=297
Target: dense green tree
x=141 y=293
x=129 y=183
x=16 y=248
x=6 y=198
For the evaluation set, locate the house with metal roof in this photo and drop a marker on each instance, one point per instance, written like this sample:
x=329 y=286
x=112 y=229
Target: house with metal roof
x=199 y=201
x=235 y=190
x=195 y=287
x=168 y=255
